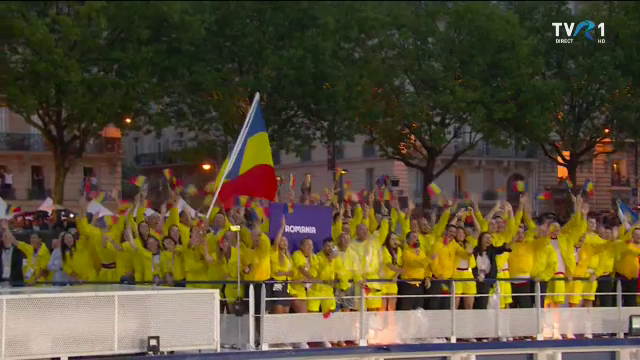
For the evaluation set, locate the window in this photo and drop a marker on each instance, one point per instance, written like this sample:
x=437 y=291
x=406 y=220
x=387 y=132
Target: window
x=619 y=173
x=37 y=183
x=136 y=145
x=562 y=171
x=158 y=145
x=489 y=179
x=306 y=155
x=459 y=183
x=369 y=174
x=4 y=119
x=339 y=151
x=368 y=150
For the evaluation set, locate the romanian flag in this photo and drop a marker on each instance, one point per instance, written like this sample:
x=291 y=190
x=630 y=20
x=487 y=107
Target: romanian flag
x=288 y=209
x=250 y=172
x=589 y=187
x=138 y=180
x=433 y=189
x=519 y=186
x=545 y=195
x=168 y=174
x=12 y=210
x=338 y=174
x=292 y=181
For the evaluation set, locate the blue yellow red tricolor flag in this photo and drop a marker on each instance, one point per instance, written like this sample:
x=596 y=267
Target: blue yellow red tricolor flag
x=249 y=168
x=588 y=187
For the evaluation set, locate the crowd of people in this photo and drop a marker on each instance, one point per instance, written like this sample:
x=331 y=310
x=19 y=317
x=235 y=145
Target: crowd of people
x=385 y=255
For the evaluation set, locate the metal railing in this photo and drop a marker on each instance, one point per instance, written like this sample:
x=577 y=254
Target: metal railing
x=157 y=159
x=38 y=193
x=37 y=143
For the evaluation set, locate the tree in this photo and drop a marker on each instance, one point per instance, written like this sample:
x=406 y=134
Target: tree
x=452 y=76
x=303 y=59
x=592 y=95
x=76 y=67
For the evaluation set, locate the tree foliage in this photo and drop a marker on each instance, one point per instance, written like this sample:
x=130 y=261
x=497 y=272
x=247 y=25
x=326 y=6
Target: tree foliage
x=458 y=74
x=76 y=67
x=592 y=93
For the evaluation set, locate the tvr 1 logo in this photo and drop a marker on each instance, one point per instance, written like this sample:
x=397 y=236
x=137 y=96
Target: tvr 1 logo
x=586 y=26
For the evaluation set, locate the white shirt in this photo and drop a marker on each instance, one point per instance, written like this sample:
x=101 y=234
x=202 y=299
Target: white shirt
x=483 y=263
x=6 y=262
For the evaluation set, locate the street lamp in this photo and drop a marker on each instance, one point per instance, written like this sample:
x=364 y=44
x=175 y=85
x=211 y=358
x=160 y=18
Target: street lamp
x=128 y=120
x=606 y=131
x=206 y=167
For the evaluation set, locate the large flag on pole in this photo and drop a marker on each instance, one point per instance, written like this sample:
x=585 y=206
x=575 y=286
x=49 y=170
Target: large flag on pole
x=249 y=170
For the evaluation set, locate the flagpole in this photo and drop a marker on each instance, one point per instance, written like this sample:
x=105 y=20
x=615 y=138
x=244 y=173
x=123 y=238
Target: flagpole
x=234 y=152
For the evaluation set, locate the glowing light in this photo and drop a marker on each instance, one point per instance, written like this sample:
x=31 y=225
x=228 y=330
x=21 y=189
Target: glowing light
x=206 y=167
x=127 y=120
x=606 y=131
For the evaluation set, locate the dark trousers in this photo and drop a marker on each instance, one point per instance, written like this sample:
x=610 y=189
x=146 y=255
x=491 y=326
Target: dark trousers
x=543 y=291
x=127 y=280
x=410 y=303
x=629 y=290
x=437 y=302
x=605 y=285
x=482 y=291
x=521 y=295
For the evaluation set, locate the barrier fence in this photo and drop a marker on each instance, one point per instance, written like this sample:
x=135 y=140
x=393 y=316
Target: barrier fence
x=76 y=321
x=106 y=320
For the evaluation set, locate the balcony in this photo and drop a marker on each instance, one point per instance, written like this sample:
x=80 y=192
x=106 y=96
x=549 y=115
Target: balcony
x=157 y=159
x=22 y=142
x=36 y=143
x=485 y=150
x=38 y=193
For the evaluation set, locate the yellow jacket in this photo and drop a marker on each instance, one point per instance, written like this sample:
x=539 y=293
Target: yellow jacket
x=627 y=263
x=545 y=264
x=37 y=261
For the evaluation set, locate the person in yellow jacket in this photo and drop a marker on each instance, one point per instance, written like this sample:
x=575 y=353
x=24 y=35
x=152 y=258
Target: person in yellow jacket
x=76 y=263
x=368 y=247
x=346 y=289
x=415 y=276
x=325 y=269
x=545 y=264
x=172 y=261
x=521 y=267
x=302 y=260
x=281 y=272
x=196 y=260
x=35 y=270
x=627 y=267
x=256 y=263
x=230 y=257
x=151 y=255
x=605 y=272
x=391 y=269
x=465 y=290
x=443 y=266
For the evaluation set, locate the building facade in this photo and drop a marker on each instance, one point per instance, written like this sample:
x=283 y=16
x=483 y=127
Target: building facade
x=487 y=171
x=24 y=152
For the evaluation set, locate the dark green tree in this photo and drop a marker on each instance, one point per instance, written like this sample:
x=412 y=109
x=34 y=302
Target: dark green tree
x=76 y=67
x=590 y=82
x=452 y=76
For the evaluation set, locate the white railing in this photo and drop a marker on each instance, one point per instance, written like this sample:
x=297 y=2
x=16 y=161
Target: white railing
x=397 y=327
x=91 y=321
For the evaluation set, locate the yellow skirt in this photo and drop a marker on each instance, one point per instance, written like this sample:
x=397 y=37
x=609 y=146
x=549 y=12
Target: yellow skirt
x=464 y=287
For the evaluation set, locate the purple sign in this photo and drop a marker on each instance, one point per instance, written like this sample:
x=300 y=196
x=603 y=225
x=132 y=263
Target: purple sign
x=312 y=221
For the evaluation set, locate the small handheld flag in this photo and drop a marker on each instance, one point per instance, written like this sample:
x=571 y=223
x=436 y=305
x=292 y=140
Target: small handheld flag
x=625 y=211
x=568 y=183
x=589 y=187
x=292 y=181
x=433 y=189
x=138 y=180
x=545 y=195
x=168 y=174
x=519 y=186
